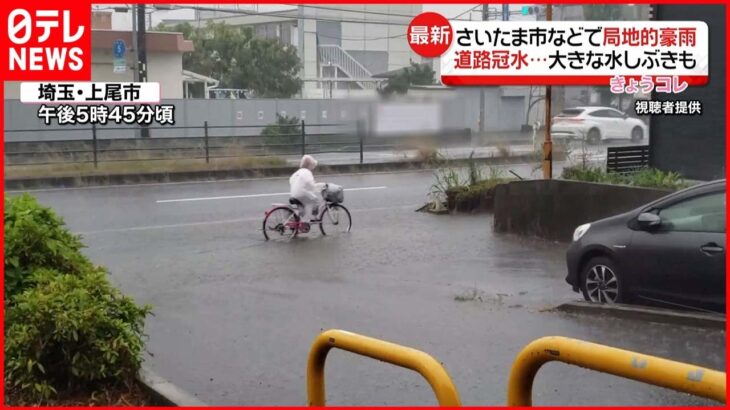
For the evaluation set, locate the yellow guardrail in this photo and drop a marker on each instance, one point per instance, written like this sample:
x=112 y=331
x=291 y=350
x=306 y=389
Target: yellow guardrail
x=673 y=375
x=392 y=353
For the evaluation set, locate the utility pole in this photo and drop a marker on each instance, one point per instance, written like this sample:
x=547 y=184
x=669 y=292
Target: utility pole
x=482 y=97
x=135 y=68
x=547 y=147
x=141 y=72
x=300 y=47
x=141 y=43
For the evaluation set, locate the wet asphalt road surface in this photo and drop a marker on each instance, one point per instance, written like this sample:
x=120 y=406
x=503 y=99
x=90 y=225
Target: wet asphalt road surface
x=234 y=316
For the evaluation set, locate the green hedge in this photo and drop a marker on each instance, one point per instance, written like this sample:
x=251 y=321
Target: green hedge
x=67 y=329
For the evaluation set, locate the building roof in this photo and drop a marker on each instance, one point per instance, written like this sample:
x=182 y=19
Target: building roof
x=193 y=77
x=156 y=41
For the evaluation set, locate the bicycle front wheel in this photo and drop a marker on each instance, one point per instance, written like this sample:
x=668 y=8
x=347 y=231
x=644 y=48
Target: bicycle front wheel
x=335 y=219
x=281 y=224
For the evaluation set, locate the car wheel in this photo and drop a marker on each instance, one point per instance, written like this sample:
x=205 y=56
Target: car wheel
x=594 y=136
x=601 y=282
x=637 y=134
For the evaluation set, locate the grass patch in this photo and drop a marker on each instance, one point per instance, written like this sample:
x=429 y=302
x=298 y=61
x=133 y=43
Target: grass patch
x=142 y=166
x=466 y=190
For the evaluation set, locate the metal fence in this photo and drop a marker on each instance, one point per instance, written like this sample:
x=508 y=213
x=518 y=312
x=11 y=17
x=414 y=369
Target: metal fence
x=627 y=159
x=207 y=143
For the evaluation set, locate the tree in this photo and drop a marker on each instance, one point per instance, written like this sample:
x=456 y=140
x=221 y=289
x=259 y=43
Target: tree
x=238 y=59
x=416 y=74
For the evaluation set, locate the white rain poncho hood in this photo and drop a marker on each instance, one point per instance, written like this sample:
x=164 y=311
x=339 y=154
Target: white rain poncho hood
x=302 y=182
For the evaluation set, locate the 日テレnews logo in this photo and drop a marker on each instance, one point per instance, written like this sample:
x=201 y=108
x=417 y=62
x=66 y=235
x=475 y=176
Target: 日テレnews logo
x=45 y=42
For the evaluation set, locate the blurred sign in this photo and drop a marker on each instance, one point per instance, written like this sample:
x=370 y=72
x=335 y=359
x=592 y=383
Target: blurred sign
x=396 y=119
x=119 y=51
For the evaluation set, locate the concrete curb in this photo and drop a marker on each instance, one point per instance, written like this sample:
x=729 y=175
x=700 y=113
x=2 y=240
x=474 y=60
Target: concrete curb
x=708 y=320
x=17 y=184
x=165 y=393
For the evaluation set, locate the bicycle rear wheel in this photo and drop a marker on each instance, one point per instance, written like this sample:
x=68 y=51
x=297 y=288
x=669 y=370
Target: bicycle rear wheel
x=335 y=219
x=281 y=224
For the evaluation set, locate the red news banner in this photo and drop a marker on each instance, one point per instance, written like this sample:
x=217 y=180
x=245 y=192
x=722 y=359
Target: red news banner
x=561 y=52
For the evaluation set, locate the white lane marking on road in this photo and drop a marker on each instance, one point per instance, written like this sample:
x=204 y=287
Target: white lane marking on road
x=180 y=225
x=225 y=221
x=214 y=198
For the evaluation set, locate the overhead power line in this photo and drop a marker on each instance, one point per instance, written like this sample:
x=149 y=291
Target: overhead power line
x=285 y=16
x=237 y=12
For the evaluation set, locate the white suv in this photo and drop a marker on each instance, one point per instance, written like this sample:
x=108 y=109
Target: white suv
x=596 y=124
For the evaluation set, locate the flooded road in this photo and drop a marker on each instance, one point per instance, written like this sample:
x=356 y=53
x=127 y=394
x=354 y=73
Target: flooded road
x=235 y=316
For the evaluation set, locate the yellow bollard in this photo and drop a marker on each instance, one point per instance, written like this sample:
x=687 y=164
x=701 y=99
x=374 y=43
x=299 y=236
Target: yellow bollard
x=673 y=375
x=392 y=353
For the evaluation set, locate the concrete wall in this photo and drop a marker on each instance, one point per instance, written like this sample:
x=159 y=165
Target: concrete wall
x=254 y=114
x=459 y=110
x=553 y=209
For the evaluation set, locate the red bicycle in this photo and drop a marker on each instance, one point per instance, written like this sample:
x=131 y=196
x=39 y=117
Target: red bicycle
x=283 y=222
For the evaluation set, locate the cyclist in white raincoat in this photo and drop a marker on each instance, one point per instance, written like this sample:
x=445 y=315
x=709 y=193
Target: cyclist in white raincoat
x=305 y=189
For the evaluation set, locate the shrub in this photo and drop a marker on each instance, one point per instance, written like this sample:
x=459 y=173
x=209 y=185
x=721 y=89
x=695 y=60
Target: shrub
x=35 y=237
x=285 y=130
x=590 y=174
x=647 y=178
x=469 y=195
x=655 y=178
x=72 y=333
x=477 y=195
x=66 y=328
x=466 y=190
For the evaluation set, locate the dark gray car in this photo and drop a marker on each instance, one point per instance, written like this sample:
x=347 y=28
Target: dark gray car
x=669 y=252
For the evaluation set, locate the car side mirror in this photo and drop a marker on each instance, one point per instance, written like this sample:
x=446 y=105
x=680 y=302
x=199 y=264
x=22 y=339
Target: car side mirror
x=648 y=220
